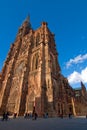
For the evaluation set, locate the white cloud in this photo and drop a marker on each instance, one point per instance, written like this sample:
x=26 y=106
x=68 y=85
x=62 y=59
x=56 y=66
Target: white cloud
x=77 y=77
x=78 y=59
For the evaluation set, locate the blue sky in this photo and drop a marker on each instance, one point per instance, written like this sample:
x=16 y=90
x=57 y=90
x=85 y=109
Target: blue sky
x=66 y=18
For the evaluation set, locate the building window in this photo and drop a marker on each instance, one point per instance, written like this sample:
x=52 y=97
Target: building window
x=35 y=61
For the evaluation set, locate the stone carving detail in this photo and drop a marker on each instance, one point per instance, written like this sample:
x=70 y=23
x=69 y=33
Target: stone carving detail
x=20 y=68
x=34 y=84
x=14 y=92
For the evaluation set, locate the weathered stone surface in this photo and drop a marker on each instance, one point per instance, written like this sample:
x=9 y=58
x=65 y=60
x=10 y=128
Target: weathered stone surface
x=31 y=77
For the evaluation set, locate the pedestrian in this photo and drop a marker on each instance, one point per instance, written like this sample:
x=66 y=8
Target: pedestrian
x=6 y=116
x=47 y=115
x=3 y=116
x=26 y=115
x=35 y=116
x=86 y=116
x=15 y=115
x=70 y=115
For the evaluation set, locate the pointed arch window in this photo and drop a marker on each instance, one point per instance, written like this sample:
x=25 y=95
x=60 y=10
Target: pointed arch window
x=35 y=61
x=37 y=39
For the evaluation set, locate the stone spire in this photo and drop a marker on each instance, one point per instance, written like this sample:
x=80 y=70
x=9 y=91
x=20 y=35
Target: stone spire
x=25 y=27
x=82 y=84
x=26 y=22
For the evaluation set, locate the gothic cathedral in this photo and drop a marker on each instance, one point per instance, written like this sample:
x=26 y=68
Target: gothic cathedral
x=31 y=77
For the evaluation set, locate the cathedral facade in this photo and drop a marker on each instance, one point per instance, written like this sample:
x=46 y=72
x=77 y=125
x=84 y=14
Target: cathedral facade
x=31 y=77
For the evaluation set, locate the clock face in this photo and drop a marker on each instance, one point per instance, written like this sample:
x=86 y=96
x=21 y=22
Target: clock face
x=20 y=68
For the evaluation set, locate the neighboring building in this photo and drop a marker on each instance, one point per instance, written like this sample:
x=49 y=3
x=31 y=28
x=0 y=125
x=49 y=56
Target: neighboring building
x=31 y=78
x=81 y=100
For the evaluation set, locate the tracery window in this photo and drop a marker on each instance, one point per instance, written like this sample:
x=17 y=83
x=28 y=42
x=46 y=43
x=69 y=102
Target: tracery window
x=37 y=39
x=35 y=61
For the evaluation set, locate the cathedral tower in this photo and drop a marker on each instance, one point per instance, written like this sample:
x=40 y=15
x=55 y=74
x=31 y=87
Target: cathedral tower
x=30 y=72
